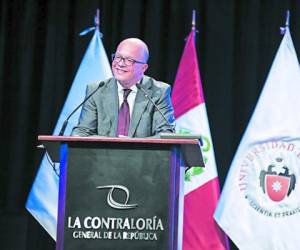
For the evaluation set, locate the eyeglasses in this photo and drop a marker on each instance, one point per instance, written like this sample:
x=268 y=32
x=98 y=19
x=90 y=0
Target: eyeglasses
x=127 y=60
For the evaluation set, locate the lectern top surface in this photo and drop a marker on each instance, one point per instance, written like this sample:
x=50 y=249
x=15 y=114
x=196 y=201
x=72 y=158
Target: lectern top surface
x=115 y=139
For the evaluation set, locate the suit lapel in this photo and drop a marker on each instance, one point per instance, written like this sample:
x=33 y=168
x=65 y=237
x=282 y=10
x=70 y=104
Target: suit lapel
x=139 y=106
x=111 y=104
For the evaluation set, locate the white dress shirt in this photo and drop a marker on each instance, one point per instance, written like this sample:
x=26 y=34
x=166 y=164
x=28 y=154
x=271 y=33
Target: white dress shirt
x=130 y=99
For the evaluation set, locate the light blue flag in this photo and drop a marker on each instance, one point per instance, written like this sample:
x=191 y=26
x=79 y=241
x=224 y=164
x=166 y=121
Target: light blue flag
x=42 y=202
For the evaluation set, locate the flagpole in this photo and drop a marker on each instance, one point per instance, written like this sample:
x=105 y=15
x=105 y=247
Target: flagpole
x=194 y=20
x=287 y=20
x=97 y=19
x=287 y=23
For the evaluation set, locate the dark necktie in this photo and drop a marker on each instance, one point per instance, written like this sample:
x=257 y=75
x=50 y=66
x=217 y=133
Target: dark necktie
x=124 y=115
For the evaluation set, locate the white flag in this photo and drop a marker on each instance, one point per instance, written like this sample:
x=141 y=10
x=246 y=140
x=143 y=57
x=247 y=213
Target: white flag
x=42 y=202
x=259 y=206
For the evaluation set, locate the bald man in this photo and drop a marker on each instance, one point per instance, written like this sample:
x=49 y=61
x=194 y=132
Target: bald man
x=121 y=106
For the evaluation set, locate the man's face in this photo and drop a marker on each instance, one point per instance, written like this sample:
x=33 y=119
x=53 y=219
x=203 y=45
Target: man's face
x=128 y=53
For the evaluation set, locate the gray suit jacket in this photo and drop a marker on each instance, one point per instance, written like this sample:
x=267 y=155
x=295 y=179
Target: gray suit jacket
x=99 y=115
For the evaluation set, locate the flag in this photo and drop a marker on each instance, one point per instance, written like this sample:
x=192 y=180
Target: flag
x=42 y=201
x=201 y=186
x=260 y=204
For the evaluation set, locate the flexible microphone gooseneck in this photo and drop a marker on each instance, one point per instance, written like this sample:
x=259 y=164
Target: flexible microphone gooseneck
x=139 y=86
x=63 y=127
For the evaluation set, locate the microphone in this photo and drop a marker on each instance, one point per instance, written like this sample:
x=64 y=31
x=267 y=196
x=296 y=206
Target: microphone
x=63 y=127
x=139 y=86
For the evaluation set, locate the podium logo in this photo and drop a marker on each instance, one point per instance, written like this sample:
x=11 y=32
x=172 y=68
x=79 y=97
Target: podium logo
x=110 y=200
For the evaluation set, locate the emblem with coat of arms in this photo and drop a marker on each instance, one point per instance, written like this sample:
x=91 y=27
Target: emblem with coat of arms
x=277 y=185
x=268 y=177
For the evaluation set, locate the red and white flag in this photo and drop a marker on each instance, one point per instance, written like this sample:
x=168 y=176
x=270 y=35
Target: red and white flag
x=201 y=187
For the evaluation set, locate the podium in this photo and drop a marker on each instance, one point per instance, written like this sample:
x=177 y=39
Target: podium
x=118 y=193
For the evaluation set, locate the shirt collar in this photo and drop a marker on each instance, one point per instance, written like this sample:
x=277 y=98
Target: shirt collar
x=133 y=88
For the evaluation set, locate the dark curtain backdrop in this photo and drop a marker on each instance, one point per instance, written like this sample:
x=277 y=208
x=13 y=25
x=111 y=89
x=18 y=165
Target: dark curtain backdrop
x=40 y=51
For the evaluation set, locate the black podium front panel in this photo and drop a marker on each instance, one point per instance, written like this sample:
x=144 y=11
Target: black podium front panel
x=118 y=197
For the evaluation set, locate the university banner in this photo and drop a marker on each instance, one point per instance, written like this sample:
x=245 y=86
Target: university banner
x=260 y=204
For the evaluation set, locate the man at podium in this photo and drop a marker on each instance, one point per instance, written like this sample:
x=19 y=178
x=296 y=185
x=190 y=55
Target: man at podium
x=129 y=104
